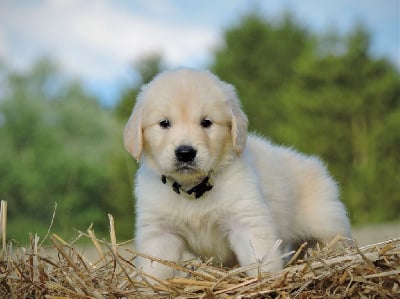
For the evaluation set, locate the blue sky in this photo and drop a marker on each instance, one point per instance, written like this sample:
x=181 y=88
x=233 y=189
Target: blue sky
x=98 y=40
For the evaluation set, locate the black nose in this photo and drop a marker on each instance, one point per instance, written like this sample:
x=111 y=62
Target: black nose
x=185 y=153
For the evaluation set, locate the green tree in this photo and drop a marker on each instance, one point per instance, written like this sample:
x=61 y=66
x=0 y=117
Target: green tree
x=344 y=105
x=258 y=57
x=57 y=145
x=325 y=95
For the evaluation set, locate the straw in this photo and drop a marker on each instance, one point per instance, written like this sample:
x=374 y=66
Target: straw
x=336 y=271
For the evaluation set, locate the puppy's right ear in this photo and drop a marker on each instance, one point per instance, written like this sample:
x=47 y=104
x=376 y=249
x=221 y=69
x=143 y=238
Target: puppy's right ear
x=133 y=132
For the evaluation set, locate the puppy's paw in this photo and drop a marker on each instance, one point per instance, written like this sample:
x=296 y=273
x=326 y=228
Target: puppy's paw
x=271 y=265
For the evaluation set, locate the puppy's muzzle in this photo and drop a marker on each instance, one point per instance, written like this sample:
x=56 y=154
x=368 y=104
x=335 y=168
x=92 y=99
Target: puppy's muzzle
x=185 y=153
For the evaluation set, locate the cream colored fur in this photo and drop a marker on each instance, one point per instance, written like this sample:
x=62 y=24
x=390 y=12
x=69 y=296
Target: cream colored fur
x=261 y=192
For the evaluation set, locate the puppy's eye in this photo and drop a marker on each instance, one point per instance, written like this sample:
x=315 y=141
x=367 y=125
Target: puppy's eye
x=165 y=124
x=206 y=123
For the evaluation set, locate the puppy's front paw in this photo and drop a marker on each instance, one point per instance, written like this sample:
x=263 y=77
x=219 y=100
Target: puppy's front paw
x=153 y=269
x=273 y=264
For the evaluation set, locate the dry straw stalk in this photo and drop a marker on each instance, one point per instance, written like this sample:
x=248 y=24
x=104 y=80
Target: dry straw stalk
x=337 y=271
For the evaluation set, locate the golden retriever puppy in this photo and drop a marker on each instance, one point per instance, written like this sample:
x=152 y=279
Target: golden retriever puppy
x=204 y=188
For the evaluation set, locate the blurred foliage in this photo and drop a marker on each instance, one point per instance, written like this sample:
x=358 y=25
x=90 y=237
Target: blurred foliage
x=324 y=95
x=258 y=58
x=58 y=145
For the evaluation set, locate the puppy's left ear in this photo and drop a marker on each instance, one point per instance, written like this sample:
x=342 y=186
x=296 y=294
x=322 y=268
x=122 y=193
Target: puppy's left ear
x=133 y=133
x=239 y=119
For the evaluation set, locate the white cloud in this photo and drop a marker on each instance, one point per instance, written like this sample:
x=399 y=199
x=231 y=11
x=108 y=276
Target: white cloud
x=3 y=45
x=97 y=38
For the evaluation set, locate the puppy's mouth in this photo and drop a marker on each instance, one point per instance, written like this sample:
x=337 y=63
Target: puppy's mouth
x=188 y=172
x=186 y=167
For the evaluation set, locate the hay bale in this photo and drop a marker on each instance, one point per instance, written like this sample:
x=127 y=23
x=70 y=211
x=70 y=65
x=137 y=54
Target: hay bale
x=336 y=271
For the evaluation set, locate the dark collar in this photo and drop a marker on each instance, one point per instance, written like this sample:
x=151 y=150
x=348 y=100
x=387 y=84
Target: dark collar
x=194 y=193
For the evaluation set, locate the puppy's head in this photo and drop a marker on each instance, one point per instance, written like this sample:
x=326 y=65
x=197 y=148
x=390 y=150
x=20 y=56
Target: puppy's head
x=185 y=124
